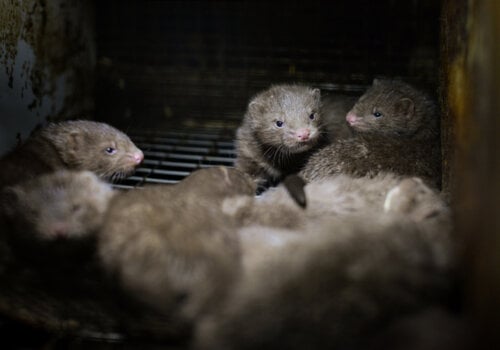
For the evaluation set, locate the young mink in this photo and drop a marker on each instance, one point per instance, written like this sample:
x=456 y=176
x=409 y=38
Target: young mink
x=281 y=127
x=397 y=130
x=340 y=280
x=339 y=195
x=53 y=215
x=171 y=247
x=73 y=145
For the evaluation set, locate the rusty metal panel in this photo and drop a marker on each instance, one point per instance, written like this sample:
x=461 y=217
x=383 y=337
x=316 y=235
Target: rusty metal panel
x=471 y=85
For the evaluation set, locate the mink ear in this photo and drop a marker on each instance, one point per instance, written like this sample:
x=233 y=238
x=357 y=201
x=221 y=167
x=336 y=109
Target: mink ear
x=406 y=107
x=316 y=93
x=75 y=141
x=255 y=107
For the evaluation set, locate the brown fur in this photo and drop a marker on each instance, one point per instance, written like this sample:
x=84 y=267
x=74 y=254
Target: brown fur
x=171 y=247
x=339 y=195
x=46 y=217
x=273 y=219
x=268 y=152
x=73 y=145
x=406 y=112
x=404 y=139
x=339 y=281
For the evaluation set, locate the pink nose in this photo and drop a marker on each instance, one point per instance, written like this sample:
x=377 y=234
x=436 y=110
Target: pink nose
x=59 y=231
x=138 y=157
x=303 y=134
x=351 y=118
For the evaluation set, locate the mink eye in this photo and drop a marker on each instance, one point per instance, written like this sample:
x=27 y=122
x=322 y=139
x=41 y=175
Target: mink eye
x=377 y=114
x=312 y=116
x=110 y=150
x=279 y=123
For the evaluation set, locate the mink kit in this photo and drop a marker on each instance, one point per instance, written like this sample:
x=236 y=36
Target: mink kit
x=256 y=86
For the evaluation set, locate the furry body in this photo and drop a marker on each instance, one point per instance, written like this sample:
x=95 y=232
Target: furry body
x=171 y=247
x=340 y=279
x=55 y=213
x=397 y=130
x=281 y=127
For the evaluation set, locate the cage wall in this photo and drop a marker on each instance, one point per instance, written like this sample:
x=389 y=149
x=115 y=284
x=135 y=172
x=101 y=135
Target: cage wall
x=188 y=62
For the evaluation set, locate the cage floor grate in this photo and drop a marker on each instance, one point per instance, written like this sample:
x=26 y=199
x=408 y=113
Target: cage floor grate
x=172 y=155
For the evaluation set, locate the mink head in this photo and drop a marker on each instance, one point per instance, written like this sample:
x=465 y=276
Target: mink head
x=60 y=205
x=94 y=146
x=286 y=116
x=395 y=109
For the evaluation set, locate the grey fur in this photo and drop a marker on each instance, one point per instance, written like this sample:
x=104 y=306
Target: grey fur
x=64 y=203
x=50 y=218
x=404 y=139
x=338 y=281
x=171 y=247
x=268 y=152
x=339 y=195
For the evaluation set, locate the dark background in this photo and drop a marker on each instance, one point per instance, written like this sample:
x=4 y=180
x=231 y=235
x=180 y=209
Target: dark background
x=177 y=62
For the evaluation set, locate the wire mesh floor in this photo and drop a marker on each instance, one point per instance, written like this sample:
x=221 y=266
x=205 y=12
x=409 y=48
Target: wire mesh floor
x=172 y=155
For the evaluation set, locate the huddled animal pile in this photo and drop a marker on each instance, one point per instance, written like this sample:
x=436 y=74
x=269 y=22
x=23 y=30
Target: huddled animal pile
x=370 y=244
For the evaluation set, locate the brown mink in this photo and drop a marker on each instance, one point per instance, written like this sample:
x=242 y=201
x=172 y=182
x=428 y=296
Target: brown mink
x=73 y=145
x=171 y=247
x=338 y=195
x=281 y=127
x=397 y=130
x=53 y=215
x=338 y=281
